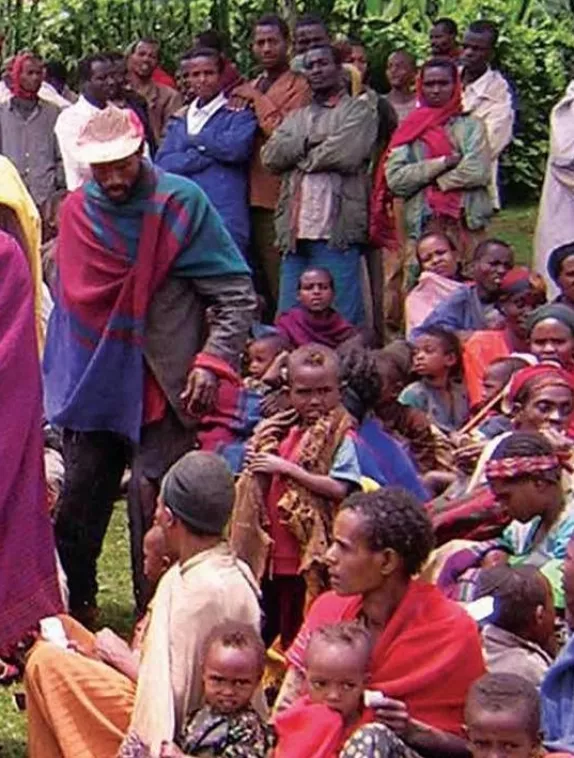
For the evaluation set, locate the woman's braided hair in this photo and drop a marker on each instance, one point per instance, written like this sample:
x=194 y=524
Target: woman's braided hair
x=393 y=518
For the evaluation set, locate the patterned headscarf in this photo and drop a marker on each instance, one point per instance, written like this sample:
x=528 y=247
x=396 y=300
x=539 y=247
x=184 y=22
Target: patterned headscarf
x=509 y=468
x=541 y=375
x=16 y=76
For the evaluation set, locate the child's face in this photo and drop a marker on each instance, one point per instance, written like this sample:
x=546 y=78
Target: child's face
x=493 y=382
x=313 y=391
x=500 y=734
x=315 y=291
x=334 y=679
x=261 y=354
x=430 y=358
x=230 y=677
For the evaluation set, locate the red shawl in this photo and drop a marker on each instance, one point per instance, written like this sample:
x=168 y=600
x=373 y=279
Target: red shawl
x=427 y=125
x=16 y=75
x=307 y=728
x=428 y=655
x=301 y=327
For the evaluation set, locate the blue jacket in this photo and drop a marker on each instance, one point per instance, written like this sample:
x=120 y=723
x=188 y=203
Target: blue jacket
x=217 y=159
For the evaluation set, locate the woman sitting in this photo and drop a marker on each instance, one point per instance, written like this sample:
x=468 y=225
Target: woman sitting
x=439 y=162
x=551 y=334
x=525 y=476
x=211 y=144
x=426 y=649
x=440 y=277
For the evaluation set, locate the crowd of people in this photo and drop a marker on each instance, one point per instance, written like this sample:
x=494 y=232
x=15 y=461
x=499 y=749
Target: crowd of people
x=269 y=313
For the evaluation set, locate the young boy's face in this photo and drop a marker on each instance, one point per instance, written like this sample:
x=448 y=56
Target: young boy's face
x=313 y=391
x=334 y=679
x=260 y=354
x=493 y=381
x=230 y=677
x=500 y=734
x=430 y=358
x=316 y=291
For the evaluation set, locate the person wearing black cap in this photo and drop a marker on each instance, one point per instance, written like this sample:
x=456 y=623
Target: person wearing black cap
x=206 y=586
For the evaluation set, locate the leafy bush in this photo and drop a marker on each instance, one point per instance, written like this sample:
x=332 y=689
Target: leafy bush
x=536 y=47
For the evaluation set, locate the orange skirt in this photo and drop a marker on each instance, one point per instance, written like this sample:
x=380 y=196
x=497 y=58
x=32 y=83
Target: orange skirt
x=76 y=707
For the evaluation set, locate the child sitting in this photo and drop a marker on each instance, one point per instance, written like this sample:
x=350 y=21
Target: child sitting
x=409 y=426
x=336 y=670
x=314 y=319
x=496 y=378
x=227 y=725
x=437 y=359
x=502 y=718
x=308 y=461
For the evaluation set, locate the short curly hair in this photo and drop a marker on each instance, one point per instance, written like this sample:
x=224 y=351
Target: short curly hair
x=239 y=636
x=393 y=518
x=501 y=692
x=347 y=634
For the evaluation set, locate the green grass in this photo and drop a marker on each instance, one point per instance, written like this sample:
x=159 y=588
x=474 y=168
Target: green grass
x=515 y=225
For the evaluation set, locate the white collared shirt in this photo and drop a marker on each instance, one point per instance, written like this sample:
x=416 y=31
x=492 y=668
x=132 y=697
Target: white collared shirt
x=197 y=117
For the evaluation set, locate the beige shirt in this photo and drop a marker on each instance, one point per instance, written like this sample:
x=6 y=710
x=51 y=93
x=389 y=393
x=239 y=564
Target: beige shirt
x=191 y=599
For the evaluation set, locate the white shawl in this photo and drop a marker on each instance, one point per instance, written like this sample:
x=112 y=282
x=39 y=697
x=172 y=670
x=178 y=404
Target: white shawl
x=556 y=212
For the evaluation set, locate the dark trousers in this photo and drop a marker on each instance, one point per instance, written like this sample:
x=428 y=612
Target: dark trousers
x=94 y=466
x=283 y=607
x=95 y=462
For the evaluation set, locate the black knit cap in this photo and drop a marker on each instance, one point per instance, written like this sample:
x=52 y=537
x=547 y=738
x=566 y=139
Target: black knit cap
x=199 y=490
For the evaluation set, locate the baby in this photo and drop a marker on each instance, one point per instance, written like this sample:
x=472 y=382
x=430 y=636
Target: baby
x=502 y=718
x=227 y=725
x=263 y=357
x=336 y=671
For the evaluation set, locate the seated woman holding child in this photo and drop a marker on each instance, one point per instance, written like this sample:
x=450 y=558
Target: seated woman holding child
x=525 y=475
x=425 y=650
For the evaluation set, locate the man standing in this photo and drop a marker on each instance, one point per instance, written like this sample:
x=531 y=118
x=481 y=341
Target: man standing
x=322 y=152
x=273 y=94
x=162 y=101
x=486 y=94
x=94 y=73
x=140 y=254
x=443 y=39
x=27 y=132
x=123 y=96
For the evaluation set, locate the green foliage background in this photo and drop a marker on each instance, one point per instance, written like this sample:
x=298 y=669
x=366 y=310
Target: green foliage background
x=536 y=48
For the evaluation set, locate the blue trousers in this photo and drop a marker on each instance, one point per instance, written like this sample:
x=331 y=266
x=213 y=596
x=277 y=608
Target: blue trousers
x=345 y=268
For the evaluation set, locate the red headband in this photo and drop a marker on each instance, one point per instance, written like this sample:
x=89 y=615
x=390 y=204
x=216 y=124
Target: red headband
x=509 y=468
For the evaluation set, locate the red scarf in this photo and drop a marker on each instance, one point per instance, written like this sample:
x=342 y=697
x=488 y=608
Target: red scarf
x=427 y=655
x=427 y=125
x=16 y=75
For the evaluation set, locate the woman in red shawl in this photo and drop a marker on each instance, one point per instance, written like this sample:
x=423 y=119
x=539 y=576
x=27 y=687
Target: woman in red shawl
x=426 y=650
x=439 y=162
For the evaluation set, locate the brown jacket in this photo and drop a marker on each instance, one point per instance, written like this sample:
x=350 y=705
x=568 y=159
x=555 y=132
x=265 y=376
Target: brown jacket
x=162 y=103
x=289 y=92
x=174 y=321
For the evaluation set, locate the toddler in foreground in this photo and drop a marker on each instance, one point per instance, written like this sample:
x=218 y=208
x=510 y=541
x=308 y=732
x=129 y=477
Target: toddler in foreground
x=227 y=725
x=502 y=718
x=336 y=669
